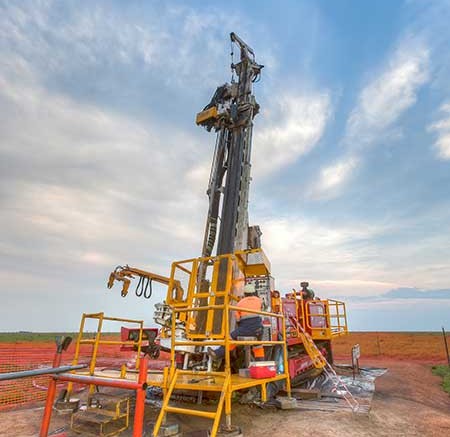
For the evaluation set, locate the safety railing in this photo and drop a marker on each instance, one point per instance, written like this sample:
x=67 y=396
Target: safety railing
x=230 y=384
x=338 y=317
x=28 y=355
x=250 y=262
x=206 y=281
x=97 y=341
x=325 y=319
x=212 y=285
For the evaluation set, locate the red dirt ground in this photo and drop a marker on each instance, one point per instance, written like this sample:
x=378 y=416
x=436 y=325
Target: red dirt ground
x=422 y=346
x=408 y=400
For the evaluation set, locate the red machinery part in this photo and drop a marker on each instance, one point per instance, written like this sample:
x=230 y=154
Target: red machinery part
x=299 y=364
x=132 y=334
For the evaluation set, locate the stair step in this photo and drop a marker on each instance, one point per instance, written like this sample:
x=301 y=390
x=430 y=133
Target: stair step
x=320 y=361
x=95 y=415
x=99 y=423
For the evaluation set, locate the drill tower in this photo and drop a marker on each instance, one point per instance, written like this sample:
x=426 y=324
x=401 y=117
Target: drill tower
x=230 y=113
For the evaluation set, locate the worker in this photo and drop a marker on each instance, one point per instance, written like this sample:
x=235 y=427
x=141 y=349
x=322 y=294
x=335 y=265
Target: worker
x=306 y=292
x=248 y=324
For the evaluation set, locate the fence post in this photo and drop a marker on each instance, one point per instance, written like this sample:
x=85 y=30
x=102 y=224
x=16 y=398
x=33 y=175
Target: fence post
x=446 y=346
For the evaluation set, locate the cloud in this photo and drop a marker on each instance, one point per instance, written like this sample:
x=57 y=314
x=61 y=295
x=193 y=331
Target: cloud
x=82 y=186
x=415 y=293
x=327 y=255
x=398 y=314
x=380 y=104
x=83 y=189
x=289 y=129
x=386 y=97
x=165 y=44
x=165 y=40
x=332 y=177
x=408 y=293
x=93 y=171
x=356 y=258
x=442 y=129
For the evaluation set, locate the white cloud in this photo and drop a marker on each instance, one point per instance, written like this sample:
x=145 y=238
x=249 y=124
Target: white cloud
x=332 y=178
x=85 y=186
x=354 y=287
x=442 y=129
x=351 y=259
x=83 y=189
x=384 y=99
x=288 y=130
x=380 y=105
x=302 y=249
x=165 y=39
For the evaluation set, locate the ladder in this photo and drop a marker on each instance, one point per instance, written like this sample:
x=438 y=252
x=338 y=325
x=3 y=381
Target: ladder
x=180 y=380
x=107 y=415
x=320 y=362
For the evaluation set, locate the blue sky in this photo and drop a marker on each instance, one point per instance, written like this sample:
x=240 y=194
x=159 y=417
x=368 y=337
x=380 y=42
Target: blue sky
x=101 y=162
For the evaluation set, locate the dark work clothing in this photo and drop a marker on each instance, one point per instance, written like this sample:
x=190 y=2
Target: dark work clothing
x=307 y=293
x=248 y=327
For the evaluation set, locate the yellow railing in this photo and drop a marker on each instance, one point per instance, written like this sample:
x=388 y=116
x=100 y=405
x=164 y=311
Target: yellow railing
x=338 y=317
x=225 y=340
x=208 y=298
x=326 y=318
x=229 y=385
x=97 y=341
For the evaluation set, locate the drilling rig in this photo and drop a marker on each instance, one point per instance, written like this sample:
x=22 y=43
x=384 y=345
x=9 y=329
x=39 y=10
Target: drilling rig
x=198 y=311
x=297 y=332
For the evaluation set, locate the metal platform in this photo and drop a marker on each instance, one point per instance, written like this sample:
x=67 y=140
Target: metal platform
x=207 y=381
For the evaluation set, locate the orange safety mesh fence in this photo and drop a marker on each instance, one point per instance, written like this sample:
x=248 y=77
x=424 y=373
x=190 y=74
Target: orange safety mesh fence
x=16 y=357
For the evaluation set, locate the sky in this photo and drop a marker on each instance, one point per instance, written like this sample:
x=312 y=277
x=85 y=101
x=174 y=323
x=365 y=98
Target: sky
x=101 y=163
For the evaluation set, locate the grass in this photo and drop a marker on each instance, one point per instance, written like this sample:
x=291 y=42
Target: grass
x=40 y=337
x=444 y=372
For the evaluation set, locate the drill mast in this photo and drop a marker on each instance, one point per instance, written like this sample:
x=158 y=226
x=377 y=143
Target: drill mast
x=230 y=113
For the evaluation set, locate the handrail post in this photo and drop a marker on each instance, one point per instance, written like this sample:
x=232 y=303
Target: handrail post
x=285 y=358
x=138 y=424
x=77 y=353
x=51 y=393
x=226 y=315
x=95 y=350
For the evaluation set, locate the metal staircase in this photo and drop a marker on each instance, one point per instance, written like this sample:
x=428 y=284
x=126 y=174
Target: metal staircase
x=320 y=362
x=107 y=415
x=195 y=380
